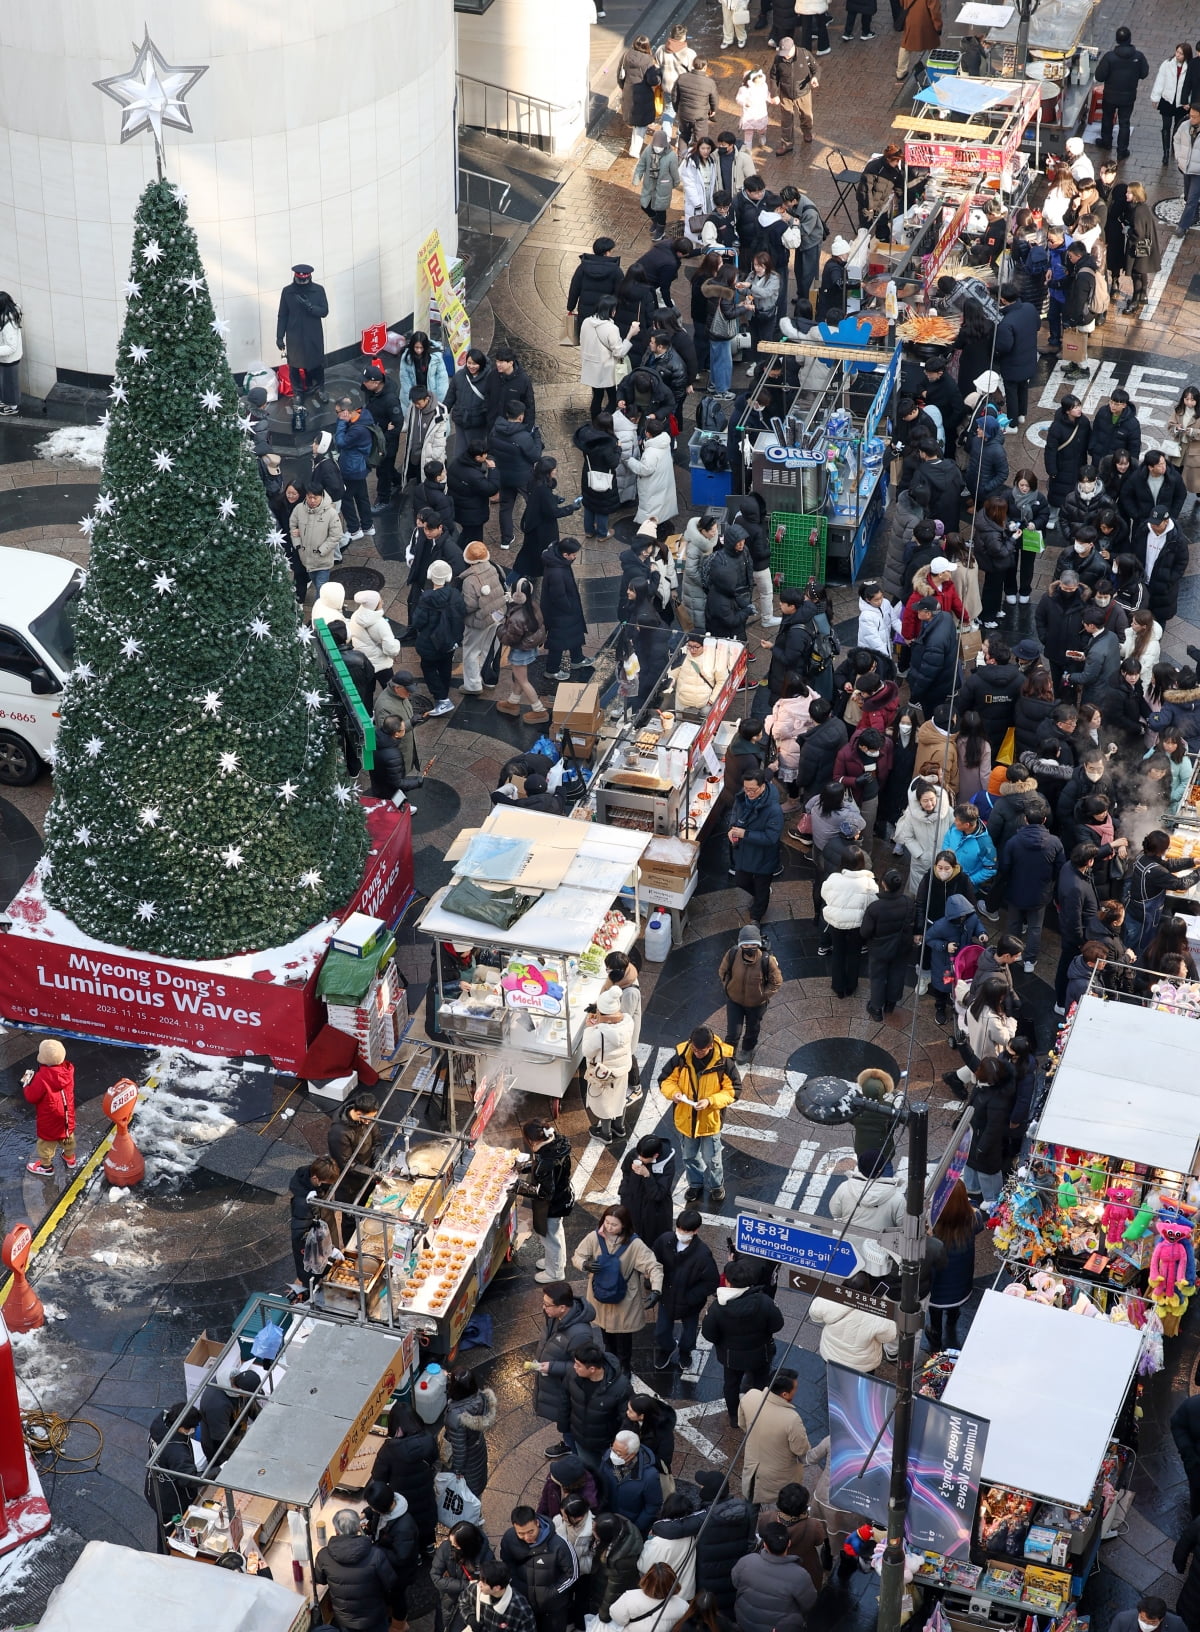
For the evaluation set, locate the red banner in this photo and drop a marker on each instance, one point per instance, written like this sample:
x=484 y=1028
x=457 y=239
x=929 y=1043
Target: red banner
x=128 y=997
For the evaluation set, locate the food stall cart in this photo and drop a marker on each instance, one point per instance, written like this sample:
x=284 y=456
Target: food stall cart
x=1055 y=1388
x=522 y=1004
x=1108 y=1198
x=431 y=1220
x=293 y=1443
x=826 y=455
x=1061 y=68
x=111 y=1588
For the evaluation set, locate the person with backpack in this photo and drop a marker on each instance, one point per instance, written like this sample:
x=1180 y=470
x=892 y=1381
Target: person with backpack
x=750 y=977
x=624 y=1279
x=382 y=399
x=689 y=1279
x=359 y=450
x=1087 y=300
x=701 y=1078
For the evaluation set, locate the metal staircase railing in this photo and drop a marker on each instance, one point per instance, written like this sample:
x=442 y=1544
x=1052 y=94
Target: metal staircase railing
x=513 y=115
x=480 y=195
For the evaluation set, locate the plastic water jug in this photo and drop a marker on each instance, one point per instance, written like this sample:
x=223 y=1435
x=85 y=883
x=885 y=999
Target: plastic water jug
x=658 y=937
x=429 y=1396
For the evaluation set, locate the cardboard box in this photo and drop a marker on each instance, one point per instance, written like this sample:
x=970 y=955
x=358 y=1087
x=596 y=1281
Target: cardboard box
x=358 y=935
x=199 y=1362
x=577 y=705
x=583 y=743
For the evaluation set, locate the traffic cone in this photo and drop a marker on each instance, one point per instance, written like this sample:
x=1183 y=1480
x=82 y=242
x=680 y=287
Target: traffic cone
x=23 y=1309
x=124 y=1164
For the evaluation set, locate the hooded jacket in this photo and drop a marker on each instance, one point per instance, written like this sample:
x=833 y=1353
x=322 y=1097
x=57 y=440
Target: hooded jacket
x=501 y=388
x=1081 y=293
x=594 y=277
x=741 y=1324
x=921 y=832
x=51 y=1090
x=395 y=1534
x=1031 y=860
x=849 y=1337
x=684 y=1080
x=938 y=488
x=1100 y=666
x=634 y=1490
x=467 y=1425
x=593 y=1413
x=987 y=462
x=1173 y=560
x=846 y=897
x=515 y=450
x=876 y=1128
x=353 y=440
x=655 y=471
x=818 y=753
x=361 y=1582
x=937 y=756
x=427 y=434
x=601 y=458
x=1121 y=71
x=761 y=824
x=471 y=486
x=1109 y=434
x=438 y=622
x=887 y=931
x=316 y=534
x=1058 y=619
x=958 y=928
x=559 y=1342
x=616 y=1572
x=408 y=1463
x=689 y=1275
x=975 y=851
x=875 y=1204
x=466 y=398
x=727 y=601
x=543 y=1570
x=1066 y=453
x=752 y=981
x=371 y=633
x=482 y=590
x=1016 y=341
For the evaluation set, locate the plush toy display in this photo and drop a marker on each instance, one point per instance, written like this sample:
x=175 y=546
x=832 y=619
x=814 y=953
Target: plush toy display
x=1117 y=1212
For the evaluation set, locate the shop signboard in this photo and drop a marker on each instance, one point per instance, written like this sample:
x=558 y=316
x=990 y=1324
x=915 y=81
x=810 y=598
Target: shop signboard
x=434 y=283
x=945 y=1462
x=875 y=1297
x=535 y=983
x=794 y=1247
x=933 y=263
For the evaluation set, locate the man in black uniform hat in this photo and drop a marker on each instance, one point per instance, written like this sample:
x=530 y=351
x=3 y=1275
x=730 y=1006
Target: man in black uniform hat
x=298 y=332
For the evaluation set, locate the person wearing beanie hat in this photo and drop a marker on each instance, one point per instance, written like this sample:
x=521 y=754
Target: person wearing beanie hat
x=750 y=977
x=608 y=1058
x=51 y=1090
x=831 y=293
x=482 y=588
x=568 y=1476
x=371 y=633
x=299 y=335
x=330 y=604
x=1082 y=168
x=656 y=174
x=327 y=478
x=436 y=628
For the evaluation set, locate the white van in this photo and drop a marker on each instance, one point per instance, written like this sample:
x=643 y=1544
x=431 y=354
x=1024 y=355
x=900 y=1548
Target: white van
x=37 y=644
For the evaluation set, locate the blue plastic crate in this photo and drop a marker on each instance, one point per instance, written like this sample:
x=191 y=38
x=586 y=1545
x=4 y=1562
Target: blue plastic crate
x=710 y=486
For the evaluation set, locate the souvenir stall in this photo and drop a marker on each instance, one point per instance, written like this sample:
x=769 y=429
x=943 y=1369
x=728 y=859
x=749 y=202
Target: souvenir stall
x=530 y=913
x=1053 y=1464
x=306 y=1434
x=821 y=468
x=1105 y=1208
x=431 y=1221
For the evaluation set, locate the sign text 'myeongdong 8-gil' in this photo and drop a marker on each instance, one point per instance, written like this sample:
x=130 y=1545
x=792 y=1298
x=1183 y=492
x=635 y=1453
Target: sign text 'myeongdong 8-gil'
x=795 y=1247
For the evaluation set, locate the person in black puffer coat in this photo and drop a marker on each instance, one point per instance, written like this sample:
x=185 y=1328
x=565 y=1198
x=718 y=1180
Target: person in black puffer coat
x=1084 y=504
x=729 y=1534
x=689 y=1279
x=359 y=1576
x=1066 y=450
x=601 y=458
x=727 y=603
x=471 y=481
x=562 y=609
x=539 y=521
x=793 y=641
x=547 y=1185
x=437 y=626
x=597 y=275
x=470 y=1415
x=407 y=1462
x=307 y=1183
x=820 y=747
x=741 y=1326
x=887 y=934
x=392 y=1528
x=647 y=1181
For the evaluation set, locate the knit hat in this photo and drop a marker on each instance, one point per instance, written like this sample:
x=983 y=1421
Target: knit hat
x=51 y=1052
x=1074 y=147
x=324 y=441
x=369 y=598
x=476 y=550
x=609 y=1001
x=440 y=573
x=660 y=142
x=749 y=935
x=840 y=246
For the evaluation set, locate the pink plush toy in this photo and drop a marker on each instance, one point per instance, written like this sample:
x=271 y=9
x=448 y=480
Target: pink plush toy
x=1168 y=1263
x=1117 y=1211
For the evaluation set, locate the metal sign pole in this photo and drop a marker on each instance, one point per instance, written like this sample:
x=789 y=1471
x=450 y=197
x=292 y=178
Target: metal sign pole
x=891 y=1585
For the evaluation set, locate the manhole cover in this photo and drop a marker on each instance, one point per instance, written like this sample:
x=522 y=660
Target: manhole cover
x=1169 y=209
x=352 y=579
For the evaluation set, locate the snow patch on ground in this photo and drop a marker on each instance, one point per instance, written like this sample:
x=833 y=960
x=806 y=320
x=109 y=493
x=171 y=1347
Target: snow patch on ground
x=175 y=1121
x=45 y=1371
x=76 y=444
x=16 y=1566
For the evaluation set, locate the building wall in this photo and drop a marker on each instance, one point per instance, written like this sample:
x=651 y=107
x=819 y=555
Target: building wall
x=538 y=47
x=321 y=132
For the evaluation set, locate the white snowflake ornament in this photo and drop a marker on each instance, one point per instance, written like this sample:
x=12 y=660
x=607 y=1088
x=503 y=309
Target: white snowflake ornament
x=232 y=857
x=149 y=815
x=288 y=791
x=311 y=879
x=87 y=524
x=84 y=671
x=229 y=763
x=211 y=400
x=83 y=835
x=312 y=699
x=163 y=460
x=164 y=583
x=147 y=910
x=105 y=504
x=260 y=628
x=227 y=507
x=94 y=747
x=220 y=327
x=117 y=392
x=131 y=647
x=212 y=702
x=139 y=353
x=152 y=252
x=342 y=794
x=131 y=288
x=193 y=285
x=304 y=634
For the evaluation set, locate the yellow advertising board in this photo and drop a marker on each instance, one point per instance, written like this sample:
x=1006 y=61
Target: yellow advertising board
x=433 y=283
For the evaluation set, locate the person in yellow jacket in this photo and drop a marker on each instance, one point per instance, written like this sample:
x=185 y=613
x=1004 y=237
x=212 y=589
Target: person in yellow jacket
x=702 y=1078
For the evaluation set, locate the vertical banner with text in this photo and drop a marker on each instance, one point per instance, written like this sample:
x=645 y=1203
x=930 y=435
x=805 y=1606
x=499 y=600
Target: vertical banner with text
x=945 y=1461
x=433 y=284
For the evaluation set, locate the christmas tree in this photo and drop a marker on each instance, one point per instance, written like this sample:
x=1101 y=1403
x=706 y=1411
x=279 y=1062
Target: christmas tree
x=200 y=802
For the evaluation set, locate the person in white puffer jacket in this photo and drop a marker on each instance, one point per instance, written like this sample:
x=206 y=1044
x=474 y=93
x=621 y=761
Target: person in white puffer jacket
x=371 y=633
x=921 y=829
x=330 y=604
x=852 y=1337
x=845 y=896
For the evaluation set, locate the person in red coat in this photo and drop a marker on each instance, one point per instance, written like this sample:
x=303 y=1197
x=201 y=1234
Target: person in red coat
x=51 y=1088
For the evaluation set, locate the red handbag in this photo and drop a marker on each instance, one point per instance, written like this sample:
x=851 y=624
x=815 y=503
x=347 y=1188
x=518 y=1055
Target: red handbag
x=283 y=375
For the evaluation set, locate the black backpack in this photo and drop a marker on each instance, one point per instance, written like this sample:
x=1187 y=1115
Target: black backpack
x=824 y=645
x=710 y=416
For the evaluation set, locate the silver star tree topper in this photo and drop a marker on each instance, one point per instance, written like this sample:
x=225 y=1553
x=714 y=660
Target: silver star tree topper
x=151 y=95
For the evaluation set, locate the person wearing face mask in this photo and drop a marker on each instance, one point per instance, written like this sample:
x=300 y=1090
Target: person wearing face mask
x=629 y=1481
x=1089 y=776
x=1151 y=1615
x=1082 y=506
x=750 y=976
x=921 y=828
x=1110 y=611
x=1083 y=556
x=690 y=1278
x=1058 y=618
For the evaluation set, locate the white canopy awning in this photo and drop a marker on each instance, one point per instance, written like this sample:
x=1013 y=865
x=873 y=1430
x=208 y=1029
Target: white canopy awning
x=1051 y=1384
x=1127 y=1086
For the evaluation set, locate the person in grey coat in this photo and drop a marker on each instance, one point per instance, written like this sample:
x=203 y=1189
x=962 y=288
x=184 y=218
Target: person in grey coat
x=657 y=174
x=774 y=1590
x=568 y=1327
x=1102 y=660
x=470 y=1413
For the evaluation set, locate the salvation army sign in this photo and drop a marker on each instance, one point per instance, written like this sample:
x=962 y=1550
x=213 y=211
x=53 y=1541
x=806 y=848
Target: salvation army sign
x=257 y=1004
x=945 y=1461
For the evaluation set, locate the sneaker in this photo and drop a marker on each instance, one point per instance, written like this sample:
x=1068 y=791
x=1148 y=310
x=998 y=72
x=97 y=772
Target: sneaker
x=506 y=543
x=70 y=1163
x=42 y=1172
x=553 y=1451
x=868 y=36
x=987 y=912
x=1028 y=967
x=828 y=49
x=1059 y=1009
x=891 y=1351
x=1011 y=599
x=717 y=1195
x=544 y=1277
x=444 y=707
x=585 y=663
x=541 y=1264
x=368 y=532
x=824 y=951
x=559 y=674
x=847 y=38
x=1023 y=599
x=876 y=1014
x=410 y=807
x=353 y=536
x=380 y=506
x=991 y=623
x=744 y=1057
x=692 y=1195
